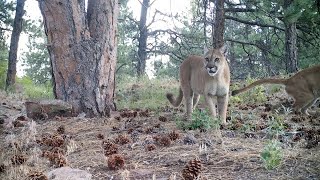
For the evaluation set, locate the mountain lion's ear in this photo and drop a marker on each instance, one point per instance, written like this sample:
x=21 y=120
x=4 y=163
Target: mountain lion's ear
x=223 y=49
x=205 y=50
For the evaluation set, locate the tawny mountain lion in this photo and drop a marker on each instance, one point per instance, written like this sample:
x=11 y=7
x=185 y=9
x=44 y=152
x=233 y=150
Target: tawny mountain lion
x=304 y=87
x=208 y=76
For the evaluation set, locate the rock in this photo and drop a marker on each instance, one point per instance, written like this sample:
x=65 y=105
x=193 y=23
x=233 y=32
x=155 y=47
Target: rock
x=69 y=173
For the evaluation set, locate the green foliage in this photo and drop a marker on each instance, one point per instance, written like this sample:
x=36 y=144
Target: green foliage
x=254 y=95
x=200 y=120
x=272 y=155
x=35 y=91
x=36 y=59
x=132 y=92
x=3 y=72
x=275 y=126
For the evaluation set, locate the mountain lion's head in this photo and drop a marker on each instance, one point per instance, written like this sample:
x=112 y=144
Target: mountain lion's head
x=214 y=60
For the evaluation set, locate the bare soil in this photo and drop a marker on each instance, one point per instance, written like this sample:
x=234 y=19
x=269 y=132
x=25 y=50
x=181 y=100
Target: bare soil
x=233 y=155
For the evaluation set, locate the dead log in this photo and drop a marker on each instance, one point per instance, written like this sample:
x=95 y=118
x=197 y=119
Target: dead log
x=46 y=109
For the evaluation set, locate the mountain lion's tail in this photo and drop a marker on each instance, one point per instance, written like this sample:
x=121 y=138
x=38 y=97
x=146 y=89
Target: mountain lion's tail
x=173 y=101
x=259 y=82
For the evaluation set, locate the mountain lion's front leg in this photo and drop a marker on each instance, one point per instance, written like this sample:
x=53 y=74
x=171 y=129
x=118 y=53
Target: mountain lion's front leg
x=211 y=105
x=222 y=108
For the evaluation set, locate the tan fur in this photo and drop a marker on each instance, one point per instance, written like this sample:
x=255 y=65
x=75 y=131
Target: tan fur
x=195 y=81
x=304 y=87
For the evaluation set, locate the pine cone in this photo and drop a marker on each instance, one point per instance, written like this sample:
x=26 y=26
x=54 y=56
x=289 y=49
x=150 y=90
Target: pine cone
x=150 y=147
x=37 y=176
x=192 y=170
x=163 y=119
x=162 y=140
x=122 y=139
x=61 y=129
x=116 y=161
x=174 y=135
x=109 y=147
x=57 y=141
x=2 y=168
x=100 y=136
x=18 y=159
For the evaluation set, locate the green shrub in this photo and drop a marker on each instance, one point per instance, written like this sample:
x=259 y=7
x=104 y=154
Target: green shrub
x=148 y=93
x=35 y=91
x=272 y=154
x=275 y=126
x=200 y=120
x=254 y=95
x=3 y=72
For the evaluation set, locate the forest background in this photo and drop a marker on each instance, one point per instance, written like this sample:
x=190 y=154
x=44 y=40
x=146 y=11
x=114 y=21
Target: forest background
x=264 y=38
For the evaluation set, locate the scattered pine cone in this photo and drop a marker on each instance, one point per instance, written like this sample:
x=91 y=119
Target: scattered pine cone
x=150 y=147
x=115 y=128
x=157 y=126
x=17 y=123
x=22 y=118
x=58 y=141
x=18 y=159
x=312 y=137
x=192 y=170
x=37 y=176
x=60 y=161
x=116 y=161
x=2 y=168
x=149 y=130
x=163 y=140
x=173 y=135
x=264 y=116
x=56 y=158
x=163 y=119
x=122 y=139
x=53 y=140
x=58 y=150
x=144 y=113
x=100 y=136
x=61 y=129
x=298 y=119
x=109 y=148
x=128 y=114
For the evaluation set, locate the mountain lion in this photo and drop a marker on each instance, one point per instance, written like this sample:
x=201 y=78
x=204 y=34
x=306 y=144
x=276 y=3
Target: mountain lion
x=304 y=87
x=208 y=76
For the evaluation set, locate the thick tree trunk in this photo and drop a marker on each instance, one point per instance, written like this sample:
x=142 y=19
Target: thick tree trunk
x=291 y=57
x=142 y=47
x=17 y=28
x=82 y=50
x=218 y=40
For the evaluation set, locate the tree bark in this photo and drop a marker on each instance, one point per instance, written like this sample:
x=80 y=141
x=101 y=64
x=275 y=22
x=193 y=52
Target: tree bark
x=218 y=40
x=15 y=36
x=142 y=53
x=82 y=48
x=291 y=57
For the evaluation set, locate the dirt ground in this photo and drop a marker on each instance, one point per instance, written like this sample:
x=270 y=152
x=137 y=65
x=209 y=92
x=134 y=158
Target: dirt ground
x=140 y=137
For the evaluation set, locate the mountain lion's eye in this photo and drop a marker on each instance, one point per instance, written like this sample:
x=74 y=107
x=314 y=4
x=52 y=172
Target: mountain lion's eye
x=217 y=60
x=207 y=59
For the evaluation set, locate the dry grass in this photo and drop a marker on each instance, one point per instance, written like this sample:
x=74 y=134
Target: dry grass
x=237 y=157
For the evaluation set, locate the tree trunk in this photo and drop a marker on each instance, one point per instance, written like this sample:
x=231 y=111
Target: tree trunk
x=82 y=50
x=142 y=53
x=17 y=28
x=218 y=40
x=291 y=58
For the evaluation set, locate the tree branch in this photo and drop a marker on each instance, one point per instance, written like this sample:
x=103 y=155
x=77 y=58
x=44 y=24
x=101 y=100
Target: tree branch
x=253 y=23
x=240 y=10
x=253 y=44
